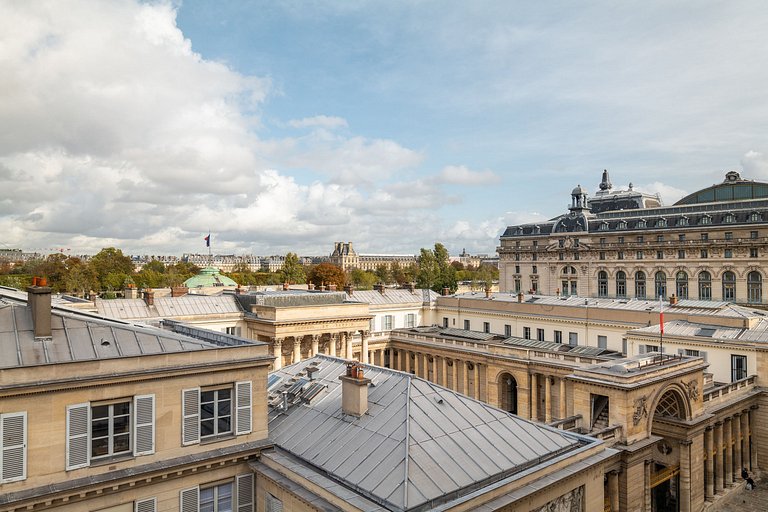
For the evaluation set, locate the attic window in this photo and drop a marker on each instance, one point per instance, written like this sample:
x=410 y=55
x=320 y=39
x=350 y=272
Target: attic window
x=706 y=332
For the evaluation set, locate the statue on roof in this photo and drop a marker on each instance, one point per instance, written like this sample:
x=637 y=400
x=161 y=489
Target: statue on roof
x=605 y=184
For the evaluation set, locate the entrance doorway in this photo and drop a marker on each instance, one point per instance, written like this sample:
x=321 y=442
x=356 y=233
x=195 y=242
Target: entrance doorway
x=508 y=392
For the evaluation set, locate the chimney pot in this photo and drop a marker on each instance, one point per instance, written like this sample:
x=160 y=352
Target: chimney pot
x=520 y=297
x=487 y=292
x=149 y=297
x=354 y=391
x=39 y=301
x=349 y=289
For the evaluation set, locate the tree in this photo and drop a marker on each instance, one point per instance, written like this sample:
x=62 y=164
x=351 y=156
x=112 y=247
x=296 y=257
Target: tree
x=327 y=273
x=383 y=273
x=435 y=271
x=111 y=267
x=293 y=270
x=361 y=279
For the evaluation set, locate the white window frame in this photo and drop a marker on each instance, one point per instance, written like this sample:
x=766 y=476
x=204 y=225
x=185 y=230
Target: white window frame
x=387 y=322
x=241 y=407
x=410 y=320
x=13 y=456
x=242 y=495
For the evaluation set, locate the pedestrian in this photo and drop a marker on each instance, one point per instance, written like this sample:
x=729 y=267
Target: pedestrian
x=750 y=484
x=744 y=473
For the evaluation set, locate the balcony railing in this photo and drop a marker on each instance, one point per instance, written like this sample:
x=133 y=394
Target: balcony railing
x=728 y=389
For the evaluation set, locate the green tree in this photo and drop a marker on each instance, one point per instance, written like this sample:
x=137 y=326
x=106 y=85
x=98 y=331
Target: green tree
x=155 y=266
x=361 y=279
x=112 y=267
x=327 y=273
x=435 y=271
x=293 y=271
x=383 y=274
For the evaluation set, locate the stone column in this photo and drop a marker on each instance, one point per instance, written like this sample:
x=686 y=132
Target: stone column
x=753 y=439
x=277 y=352
x=332 y=344
x=535 y=396
x=483 y=382
x=647 y=485
x=613 y=490
x=719 y=466
x=737 y=462
x=315 y=345
x=465 y=378
x=363 y=347
x=709 y=490
x=348 y=339
x=547 y=399
x=444 y=372
x=745 y=438
x=296 y=349
x=456 y=375
x=728 y=440
x=407 y=368
x=563 y=399
x=685 y=476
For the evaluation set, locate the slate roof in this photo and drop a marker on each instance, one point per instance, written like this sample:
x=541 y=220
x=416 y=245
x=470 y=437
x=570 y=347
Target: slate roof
x=420 y=444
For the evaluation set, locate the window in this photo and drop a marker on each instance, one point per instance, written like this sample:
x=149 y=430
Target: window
x=659 y=255
x=683 y=222
x=753 y=235
x=558 y=336
x=507 y=330
x=640 y=285
x=728 y=218
x=517 y=256
x=704 y=254
x=662 y=223
x=466 y=325
x=621 y=225
x=486 y=327
x=738 y=367
x=123 y=427
x=540 y=334
x=681 y=254
x=561 y=242
x=705 y=286
x=273 y=504
x=648 y=348
x=642 y=224
x=639 y=255
x=535 y=243
x=620 y=240
x=207 y=413
x=560 y=256
x=753 y=252
x=387 y=322
x=602 y=283
x=681 y=237
x=729 y=286
x=576 y=256
x=691 y=352
x=640 y=239
x=621 y=284
x=517 y=269
x=517 y=244
x=755 y=217
x=535 y=257
x=232 y=331
x=603 y=226
x=681 y=285
x=620 y=255
x=445 y=321
x=705 y=220
x=755 y=287
x=602 y=242
x=659 y=238
x=705 y=236
x=573 y=338
x=729 y=235
x=728 y=253
x=602 y=342
x=227 y=496
x=410 y=320
x=13 y=447
x=534 y=285
x=660 y=281
x=518 y=285
x=602 y=255
x=527 y=333
x=534 y=270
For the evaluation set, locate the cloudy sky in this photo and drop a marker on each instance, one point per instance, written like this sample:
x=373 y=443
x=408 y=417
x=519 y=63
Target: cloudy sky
x=290 y=125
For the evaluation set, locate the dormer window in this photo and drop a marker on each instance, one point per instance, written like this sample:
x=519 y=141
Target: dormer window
x=728 y=218
x=707 y=219
x=622 y=225
x=603 y=226
x=755 y=217
x=642 y=224
x=661 y=223
x=683 y=221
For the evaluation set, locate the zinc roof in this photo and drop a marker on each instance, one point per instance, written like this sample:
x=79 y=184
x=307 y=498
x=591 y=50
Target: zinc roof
x=164 y=307
x=394 y=296
x=756 y=334
x=418 y=444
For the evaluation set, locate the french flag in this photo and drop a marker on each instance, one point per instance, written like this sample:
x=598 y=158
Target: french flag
x=661 y=315
x=207 y=240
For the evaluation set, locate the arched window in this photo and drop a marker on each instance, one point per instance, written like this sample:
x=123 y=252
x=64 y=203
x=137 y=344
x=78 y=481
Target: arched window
x=508 y=393
x=602 y=283
x=640 y=285
x=621 y=284
x=660 y=282
x=755 y=217
x=705 y=286
x=729 y=286
x=755 y=287
x=569 y=281
x=681 y=285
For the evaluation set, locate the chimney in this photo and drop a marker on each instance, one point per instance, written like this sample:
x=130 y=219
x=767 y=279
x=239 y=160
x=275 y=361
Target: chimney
x=349 y=289
x=285 y=286
x=131 y=292
x=238 y=290
x=520 y=297
x=673 y=300
x=410 y=287
x=446 y=291
x=332 y=287
x=149 y=297
x=354 y=391
x=379 y=287
x=487 y=292
x=39 y=301
x=178 y=291
x=311 y=286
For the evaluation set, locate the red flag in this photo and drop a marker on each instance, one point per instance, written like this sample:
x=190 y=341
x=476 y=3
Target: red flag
x=207 y=240
x=661 y=315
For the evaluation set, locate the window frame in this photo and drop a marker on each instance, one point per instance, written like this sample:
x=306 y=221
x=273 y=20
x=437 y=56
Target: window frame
x=13 y=457
x=241 y=412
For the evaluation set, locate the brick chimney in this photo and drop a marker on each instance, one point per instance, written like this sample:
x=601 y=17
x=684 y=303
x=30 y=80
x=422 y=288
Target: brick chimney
x=487 y=292
x=410 y=287
x=349 y=289
x=178 y=291
x=379 y=287
x=285 y=286
x=39 y=301
x=354 y=391
x=520 y=297
x=673 y=300
x=149 y=297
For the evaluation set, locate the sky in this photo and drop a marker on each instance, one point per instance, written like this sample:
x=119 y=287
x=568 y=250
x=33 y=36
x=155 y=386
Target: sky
x=287 y=126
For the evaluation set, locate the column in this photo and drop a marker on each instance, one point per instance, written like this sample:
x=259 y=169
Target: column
x=277 y=352
x=296 y=349
x=613 y=490
x=737 y=462
x=456 y=375
x=444 y=372
x=465 y=378
x=563 y=399
x=363 y=348
x=348 y=345
x=332 y=344
x=753 y=443
x=477 y=381
x=745 y=438
x=719 y=457
x=402 y=355
x=407 y=368
x=547 y=399
x=315 y=345
x=535 y=396
x=685 y=476
x=483 y=382
x=728 y=440
x=709 y=490
x=648 y=485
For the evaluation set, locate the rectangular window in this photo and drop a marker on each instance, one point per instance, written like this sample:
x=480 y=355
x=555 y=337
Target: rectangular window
x=681 y=254
x=410 y=320
x=466 y=325
x=659 y=255
x=216 y=497
x=558 y=336
x=517 y=269
x=518 y=285
x=561 y=242
x=222 y=411
x=659 y=238
x=527 y=333
x=602 y=242
x=273 y=504
x=507 y=330
x=620 y=239
x=602 y=342
x=602 y=255
x=445 y=321
x=560 y=256
x=704 y=254
x=728 y=253
x=534 y=270
x=517 y=256
x=486 y=327
x=535 y=243
x=705 y=236
x=387 y=322
x=540 y=334
x=575 y=256
x=639 y=255
x=640 y=239
x=753 y=235
x=115 y=428
x=624 y=346
x=753 y=252
x=620 y=255
x=573 y=338
x=236 y=494
x=691 y=353
x=534 y=257
x=738 y=367
x=729 y=235
x=13 y=447
x=681 y=237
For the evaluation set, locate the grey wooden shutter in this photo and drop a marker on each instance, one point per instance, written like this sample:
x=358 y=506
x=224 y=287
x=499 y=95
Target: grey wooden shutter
x=245 y=493
x=703 y=354
x=13 y=447
x=78 y=445
x=190 y=422
x=189 y=500
x=145 y=505
x=243 y=407
x=641 y=349
x=144 y=424
x=273 y=504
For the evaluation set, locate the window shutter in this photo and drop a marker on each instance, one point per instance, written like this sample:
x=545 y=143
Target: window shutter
x=189 y=500
x=245 y=493
x=703 y=354
x=243 y=407
x=146 y=505
x=144 y=424
x=641 y=349
x=13 y=447
x=273 y=504
x=190 y=425
x=78 y=445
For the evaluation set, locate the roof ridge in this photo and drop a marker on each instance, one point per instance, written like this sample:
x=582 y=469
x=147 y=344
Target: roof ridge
x=407 y=440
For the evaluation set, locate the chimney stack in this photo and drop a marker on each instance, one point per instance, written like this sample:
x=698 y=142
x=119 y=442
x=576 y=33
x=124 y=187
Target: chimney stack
x=311 y=286
x=487 y=292
x=332 y=287
x=410 y=287
x=285 y=287
x=149 y=297
x=349 y=289
x=178 y=291
x=39 y=301
x=354 y=391
x=520 y=297
x=379 y=287
x=131 y=292
x=446 y=291
x=673 y=300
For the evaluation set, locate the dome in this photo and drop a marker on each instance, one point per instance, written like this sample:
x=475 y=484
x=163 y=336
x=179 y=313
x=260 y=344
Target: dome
x=209 y=276
x=577 y=191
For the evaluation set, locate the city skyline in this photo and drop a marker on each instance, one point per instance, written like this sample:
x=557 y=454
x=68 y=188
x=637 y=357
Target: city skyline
x=286 y=127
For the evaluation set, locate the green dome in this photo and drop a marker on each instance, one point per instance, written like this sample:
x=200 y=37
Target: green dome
x=209 y=276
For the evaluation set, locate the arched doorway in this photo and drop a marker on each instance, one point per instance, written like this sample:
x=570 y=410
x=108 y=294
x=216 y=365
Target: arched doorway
x=665 y=474
x=508 y=393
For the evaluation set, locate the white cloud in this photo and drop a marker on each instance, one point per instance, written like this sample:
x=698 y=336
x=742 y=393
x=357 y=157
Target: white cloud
x=321 y=121
x=669 y=194
x=462 y=175
x=755 y=165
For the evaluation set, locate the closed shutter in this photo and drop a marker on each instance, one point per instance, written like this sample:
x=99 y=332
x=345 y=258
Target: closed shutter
x=245 y=493
x=243 y=407
x=641 y=349
x=703 y=354
x=145 y=505
x=273 y=504
x=190 y=423
x=189 y=500
x=144 y=424
x=13 y=447
x=78 y=446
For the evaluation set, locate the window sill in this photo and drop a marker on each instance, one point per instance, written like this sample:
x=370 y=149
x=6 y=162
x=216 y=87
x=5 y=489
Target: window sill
x=216 y=439
x=112 y=460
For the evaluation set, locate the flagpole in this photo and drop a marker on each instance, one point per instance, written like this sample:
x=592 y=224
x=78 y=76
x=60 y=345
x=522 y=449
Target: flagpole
x=661 y=328
x=210 y=256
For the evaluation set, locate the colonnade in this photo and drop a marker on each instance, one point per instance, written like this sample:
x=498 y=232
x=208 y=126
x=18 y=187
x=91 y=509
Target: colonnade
x=728 y=448
x=461 y=375
x=335 y=344
x=552 y=410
